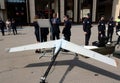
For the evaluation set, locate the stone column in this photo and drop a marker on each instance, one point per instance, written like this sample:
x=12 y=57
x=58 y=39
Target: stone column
x=75 y=10
x=32 y=10
x=94 y=10
x=2 y=4
x=56 y=5
x=3 y=14
x=62 y=10
x=116 y=9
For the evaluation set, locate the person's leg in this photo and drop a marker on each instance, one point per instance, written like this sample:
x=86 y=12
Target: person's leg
x=118 y=40
x=111 y=36
x=45 y=38
x=99 y=36
x=53 y=36
x=108 y=35
x=67 y=37
x=13 y=31
x=3 y=33
x=87 y=37
x=57 y=36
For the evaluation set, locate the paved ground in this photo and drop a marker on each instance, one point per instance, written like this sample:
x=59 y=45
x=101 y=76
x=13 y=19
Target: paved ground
x=25 y=67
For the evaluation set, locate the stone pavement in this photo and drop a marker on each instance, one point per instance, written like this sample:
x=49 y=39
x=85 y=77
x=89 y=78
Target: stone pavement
x=26 y=67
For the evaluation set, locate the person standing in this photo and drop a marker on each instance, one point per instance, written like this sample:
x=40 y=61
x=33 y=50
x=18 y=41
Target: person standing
x=111 y=25
x=67 y=28
x=8 y=26
x=36 y=32
x=101 y=28
x=13 y=25
x=2 y=27
x=87 y=24
x=118 y=29
x=44 y=31
x=55 y=22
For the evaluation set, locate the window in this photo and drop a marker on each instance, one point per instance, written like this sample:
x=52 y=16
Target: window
x=16 y=1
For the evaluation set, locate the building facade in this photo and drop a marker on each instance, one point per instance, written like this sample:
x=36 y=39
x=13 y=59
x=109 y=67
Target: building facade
x=24 y=11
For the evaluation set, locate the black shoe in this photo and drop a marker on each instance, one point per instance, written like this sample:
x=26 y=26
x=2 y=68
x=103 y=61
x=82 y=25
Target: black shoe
x=37 y=51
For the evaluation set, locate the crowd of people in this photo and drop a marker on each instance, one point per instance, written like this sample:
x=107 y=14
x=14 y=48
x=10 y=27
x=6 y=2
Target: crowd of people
x=103 y=38
x=42 y=32
x=9 y=25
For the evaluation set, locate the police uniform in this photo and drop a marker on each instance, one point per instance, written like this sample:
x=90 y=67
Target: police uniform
x=101 y=29
x=87 y=28
x=111 y=25
x=118 y=29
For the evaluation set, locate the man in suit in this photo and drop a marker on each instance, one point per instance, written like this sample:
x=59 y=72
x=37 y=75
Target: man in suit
x=55 y=22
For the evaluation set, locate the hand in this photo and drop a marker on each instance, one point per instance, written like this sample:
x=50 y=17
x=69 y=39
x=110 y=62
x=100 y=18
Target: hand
x=85 y=33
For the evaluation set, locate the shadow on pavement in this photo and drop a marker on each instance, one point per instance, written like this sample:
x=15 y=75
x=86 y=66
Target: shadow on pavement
x=76 y=62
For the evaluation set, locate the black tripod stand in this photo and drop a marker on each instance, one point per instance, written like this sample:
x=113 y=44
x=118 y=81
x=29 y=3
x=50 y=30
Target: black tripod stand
x=43 y=79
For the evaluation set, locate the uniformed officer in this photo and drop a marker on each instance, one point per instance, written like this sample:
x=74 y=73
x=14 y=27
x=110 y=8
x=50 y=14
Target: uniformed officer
x=87 y=24
x=111 y=25
x=118 y=28
x=2 y=26
x=67 y=28
x=101 y=28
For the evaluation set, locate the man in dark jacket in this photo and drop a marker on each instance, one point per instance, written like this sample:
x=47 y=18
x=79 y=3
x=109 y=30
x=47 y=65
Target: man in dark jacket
x=13 y=25
x=87 y=24
x=2 y=27
x=55 y=27
x=67 y=28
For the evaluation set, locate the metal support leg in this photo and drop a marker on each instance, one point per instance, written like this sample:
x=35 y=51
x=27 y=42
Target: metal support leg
x=43 y=79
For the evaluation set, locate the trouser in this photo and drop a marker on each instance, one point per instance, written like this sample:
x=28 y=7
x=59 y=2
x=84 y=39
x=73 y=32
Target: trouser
x=67 y=37
x=109 y=35
x=100 y=35
x=14 y=31
x=118 y=40
x=55 y=36
x=87 y=38
x=9 y=30
x=43 y=38
x=3 y=32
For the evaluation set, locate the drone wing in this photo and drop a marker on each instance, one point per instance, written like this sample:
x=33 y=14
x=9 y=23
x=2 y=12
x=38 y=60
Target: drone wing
x=86 y=52
x=49 y=44
x=90 y=47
